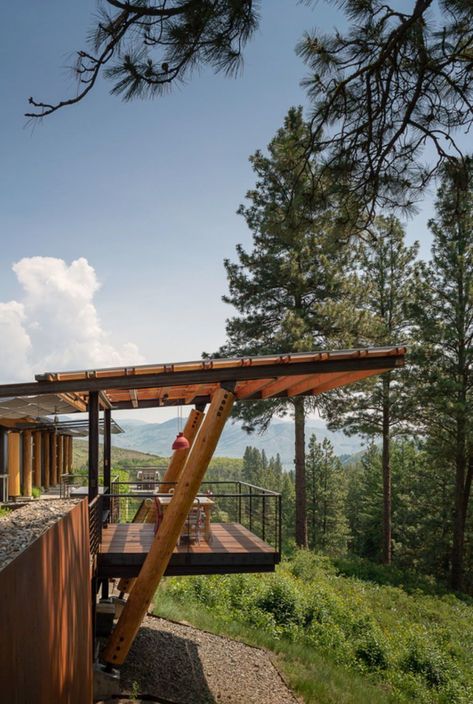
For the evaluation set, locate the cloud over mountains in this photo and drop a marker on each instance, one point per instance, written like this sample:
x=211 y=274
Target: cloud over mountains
x=55 y=324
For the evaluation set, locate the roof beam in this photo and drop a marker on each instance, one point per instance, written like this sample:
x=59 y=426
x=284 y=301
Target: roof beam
x=74 y=401
x=252 y=387
x=203 y=376
x=344 y=379
x=280 y=385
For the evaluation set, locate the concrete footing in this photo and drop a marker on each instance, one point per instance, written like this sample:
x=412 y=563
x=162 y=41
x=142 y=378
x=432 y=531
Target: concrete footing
x=106 y=683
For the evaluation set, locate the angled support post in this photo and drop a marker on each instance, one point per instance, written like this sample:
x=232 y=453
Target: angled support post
x=172 y=474
x=171 y=526
x=179 y=457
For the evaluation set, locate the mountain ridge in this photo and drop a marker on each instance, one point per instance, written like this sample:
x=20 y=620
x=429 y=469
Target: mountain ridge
x=157 y=438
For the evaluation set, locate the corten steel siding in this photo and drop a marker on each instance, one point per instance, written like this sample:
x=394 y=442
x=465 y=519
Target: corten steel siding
x=45 y=618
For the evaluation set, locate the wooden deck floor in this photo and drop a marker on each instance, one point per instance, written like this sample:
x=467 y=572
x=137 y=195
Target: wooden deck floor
x=232 y=548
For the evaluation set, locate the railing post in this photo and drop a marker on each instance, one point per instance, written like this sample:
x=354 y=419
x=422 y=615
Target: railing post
x=279 y=523
x=239 y=503
x=263 y=518
x=251 y=508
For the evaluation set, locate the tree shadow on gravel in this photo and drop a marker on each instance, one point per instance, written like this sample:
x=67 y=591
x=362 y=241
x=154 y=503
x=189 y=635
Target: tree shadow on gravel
x=165 y=665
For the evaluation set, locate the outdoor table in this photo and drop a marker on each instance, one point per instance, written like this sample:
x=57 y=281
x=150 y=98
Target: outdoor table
x=204 y=502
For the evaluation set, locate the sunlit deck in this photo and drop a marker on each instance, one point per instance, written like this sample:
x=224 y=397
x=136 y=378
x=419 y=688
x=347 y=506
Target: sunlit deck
x=232 y=548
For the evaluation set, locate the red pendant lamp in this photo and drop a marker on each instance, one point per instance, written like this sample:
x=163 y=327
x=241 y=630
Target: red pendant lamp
x=181 y=442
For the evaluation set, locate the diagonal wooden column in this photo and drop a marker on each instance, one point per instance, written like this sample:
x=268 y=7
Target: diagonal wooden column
x=179 y=457
x=171 y=526
x=27 y=464
x=147 y=514
x=37 y=458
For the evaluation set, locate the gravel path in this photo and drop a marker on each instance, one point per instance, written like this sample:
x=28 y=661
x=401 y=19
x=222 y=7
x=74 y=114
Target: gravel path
x=23 y=525
x=188 y=666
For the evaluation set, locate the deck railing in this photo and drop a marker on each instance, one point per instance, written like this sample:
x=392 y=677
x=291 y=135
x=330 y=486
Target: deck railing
x=95 y=524
x=67 y=482
x=253 y=507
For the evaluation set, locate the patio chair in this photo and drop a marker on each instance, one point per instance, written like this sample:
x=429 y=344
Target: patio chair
x=193 y=527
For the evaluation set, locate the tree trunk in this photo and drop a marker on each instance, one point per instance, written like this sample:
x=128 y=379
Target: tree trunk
x=459 y=513
x=301 y=519
x=387 y=489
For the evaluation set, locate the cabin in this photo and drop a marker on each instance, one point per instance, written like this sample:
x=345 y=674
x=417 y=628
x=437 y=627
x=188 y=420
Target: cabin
x=164 y=520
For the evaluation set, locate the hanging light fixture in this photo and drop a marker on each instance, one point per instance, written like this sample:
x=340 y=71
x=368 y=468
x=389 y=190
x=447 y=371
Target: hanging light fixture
x=181 y=442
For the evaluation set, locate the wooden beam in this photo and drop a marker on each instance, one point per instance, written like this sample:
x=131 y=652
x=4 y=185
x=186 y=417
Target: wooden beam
x=245 y=390
x=171 y=474
x=27 y=464
x=134 y=397
x=171 y=526
x=93 y=444
x=179 y=457
x=305 y=384
x=280 y=385
x=344 y=380
x=46 y=443
x=74 y=401
x=37 y=458
x=203 y=376
x=14 y=464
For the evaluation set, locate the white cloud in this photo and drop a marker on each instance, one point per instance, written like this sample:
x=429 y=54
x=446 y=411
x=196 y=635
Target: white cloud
x=55 y=325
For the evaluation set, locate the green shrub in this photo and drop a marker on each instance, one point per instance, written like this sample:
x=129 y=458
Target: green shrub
x=36 y=492
x=372 y=653
x=430 y=665
x=281 y=600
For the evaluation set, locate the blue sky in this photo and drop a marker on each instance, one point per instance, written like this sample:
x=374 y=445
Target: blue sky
x=147 y=191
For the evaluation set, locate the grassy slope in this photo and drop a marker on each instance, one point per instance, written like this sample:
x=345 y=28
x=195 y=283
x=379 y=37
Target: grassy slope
x=119 y=456
x=340 y=638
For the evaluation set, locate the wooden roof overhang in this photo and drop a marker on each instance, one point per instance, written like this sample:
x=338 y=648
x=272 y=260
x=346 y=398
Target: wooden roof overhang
x=194 y=383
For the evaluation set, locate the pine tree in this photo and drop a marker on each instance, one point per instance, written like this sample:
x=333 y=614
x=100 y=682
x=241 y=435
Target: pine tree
x=444 y=316
x=381 y=406
x=286 y=289
x=327 y=494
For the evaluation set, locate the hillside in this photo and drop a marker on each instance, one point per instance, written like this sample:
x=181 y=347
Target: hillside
x=156 y=438
x=343 y=632
x=122 y=456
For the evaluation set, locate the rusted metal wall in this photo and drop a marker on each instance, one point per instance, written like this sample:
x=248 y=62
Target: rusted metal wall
x=45 y=618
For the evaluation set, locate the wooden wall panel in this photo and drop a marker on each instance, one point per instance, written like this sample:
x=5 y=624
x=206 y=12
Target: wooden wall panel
x=45 y=618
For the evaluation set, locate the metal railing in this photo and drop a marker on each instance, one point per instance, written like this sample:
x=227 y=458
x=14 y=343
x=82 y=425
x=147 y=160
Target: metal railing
x=67 y=482
x=253 y=507
x=95 y=524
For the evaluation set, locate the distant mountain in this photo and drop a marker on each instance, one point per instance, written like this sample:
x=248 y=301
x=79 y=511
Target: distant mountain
x=157 y=438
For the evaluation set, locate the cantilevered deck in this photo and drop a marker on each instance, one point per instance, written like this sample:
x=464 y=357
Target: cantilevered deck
x=232 y=548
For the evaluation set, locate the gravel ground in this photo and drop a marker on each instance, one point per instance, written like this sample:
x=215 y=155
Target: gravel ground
x=188 y=666
x=23 y=525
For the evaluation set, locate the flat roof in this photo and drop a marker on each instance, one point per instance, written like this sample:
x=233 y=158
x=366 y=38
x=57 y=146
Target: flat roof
x=186 y=383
